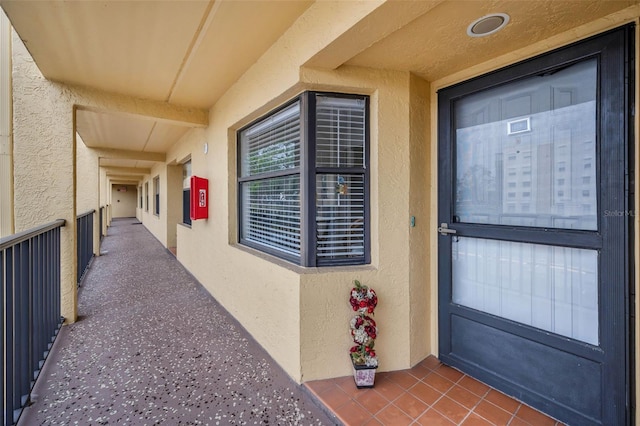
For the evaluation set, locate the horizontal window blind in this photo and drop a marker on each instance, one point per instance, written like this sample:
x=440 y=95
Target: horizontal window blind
x=339 y=217
x=272 y=144
x=271 y=204
x=186 y=175
x=271 y=213
x=340 y=132
x=287 y=153
x=340 y=197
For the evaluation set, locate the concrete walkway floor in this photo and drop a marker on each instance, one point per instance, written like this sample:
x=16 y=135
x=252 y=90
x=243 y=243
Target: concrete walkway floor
x=151 y=346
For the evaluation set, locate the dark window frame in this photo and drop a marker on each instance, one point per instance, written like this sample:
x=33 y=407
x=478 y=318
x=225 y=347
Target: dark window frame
x=156 y=195
x=308 y=171
x=146 y=196
x=186 y=196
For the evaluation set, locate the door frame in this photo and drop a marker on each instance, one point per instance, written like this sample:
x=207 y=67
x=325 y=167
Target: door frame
x=554 y=60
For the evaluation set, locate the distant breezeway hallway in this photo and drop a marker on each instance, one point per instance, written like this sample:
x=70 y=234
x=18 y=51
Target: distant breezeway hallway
x=151 y=346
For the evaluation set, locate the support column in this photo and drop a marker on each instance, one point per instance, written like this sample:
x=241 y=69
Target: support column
x=6 y=140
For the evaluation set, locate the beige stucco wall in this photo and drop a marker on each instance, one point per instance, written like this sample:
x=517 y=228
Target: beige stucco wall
x=6 y=130
x=157 y=224
x=263 y=294
x=87 y=191
x=103 y=187
x=419 y=207
x=45 y=158
x=88 y=187
x=44 y=163
x=301 y=315
x=124 y=202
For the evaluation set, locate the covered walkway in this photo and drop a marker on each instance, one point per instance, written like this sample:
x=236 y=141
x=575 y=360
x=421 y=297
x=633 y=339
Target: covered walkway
x=151 y=346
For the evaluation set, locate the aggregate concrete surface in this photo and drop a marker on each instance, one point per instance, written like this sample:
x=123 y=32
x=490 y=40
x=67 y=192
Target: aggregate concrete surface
x=151 y=346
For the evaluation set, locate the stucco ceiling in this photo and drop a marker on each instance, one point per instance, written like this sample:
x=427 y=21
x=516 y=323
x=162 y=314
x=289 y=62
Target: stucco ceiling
x=185 y=53
x=436 y=44
x=188 y=53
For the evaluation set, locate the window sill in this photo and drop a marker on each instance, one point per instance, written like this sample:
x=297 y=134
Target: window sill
x=301 y=270
x=185 y=225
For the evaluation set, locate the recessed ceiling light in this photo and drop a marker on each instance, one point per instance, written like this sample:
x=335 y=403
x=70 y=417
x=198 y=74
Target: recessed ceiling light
x=487 y=25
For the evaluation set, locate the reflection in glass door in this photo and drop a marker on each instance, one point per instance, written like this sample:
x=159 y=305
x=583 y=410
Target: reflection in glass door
x=525 y=156
x=525 y=153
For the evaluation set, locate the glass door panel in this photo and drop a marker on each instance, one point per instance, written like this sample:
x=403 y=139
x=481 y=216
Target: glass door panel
x=525 y=152
x=548 y=287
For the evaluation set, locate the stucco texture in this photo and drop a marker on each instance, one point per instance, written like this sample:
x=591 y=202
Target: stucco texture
x=124 y=198
x=87 y=187
x=301 y=314
x=44 y=166
x=45 y=157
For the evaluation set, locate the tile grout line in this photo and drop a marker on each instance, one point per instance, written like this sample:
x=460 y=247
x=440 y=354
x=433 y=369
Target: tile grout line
x=443 y=394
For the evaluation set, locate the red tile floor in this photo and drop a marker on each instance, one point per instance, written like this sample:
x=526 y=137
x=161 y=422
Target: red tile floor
x=428 y=394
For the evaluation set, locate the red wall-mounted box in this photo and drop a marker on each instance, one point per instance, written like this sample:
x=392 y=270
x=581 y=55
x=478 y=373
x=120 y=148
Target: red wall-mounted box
x=199 y=198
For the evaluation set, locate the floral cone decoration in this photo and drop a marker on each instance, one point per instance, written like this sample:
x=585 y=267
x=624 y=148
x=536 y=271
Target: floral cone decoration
x=364 y=331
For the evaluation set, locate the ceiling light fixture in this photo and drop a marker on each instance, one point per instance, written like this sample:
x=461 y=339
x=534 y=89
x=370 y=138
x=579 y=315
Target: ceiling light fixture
x=487 y=25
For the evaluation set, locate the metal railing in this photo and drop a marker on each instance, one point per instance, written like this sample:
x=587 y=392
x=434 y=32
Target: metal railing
x=84 y=223
x=102 y=218
x=30 y=275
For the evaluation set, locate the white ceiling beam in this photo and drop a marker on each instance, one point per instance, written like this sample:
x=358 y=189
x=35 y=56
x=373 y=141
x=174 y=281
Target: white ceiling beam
x=126 y=170
x=125 y=182
x=105 y=102
x=122 y=154
x=113 y=178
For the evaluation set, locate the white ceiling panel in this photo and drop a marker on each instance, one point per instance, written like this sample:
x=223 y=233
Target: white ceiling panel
x=112 y=130
x=235 y=36
x=130 y=47
x=139 y=164
x=163 y=136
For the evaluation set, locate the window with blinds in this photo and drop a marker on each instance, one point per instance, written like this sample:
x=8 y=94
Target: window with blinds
x=146 y=196
x=270 y=183
x=340 y=179
x=156 y=199
x=186 y=193
x=316 y=145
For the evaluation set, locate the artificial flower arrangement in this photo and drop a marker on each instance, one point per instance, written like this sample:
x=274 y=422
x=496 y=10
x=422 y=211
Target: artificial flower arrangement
x=364 y=331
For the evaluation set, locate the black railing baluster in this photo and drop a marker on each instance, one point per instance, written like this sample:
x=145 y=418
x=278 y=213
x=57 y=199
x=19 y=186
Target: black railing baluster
x=8 y=333
x=38 y=300
x=84 y=224
x=30 y=277
x=21 y=318
x=101 y=222
x=3 y=269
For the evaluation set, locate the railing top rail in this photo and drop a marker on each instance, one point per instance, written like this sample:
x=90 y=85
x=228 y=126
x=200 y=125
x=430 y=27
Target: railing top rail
x=14 y=239
x=87 y=213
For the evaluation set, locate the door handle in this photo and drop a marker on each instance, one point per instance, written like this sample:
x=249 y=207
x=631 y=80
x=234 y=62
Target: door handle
x=444 y=229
